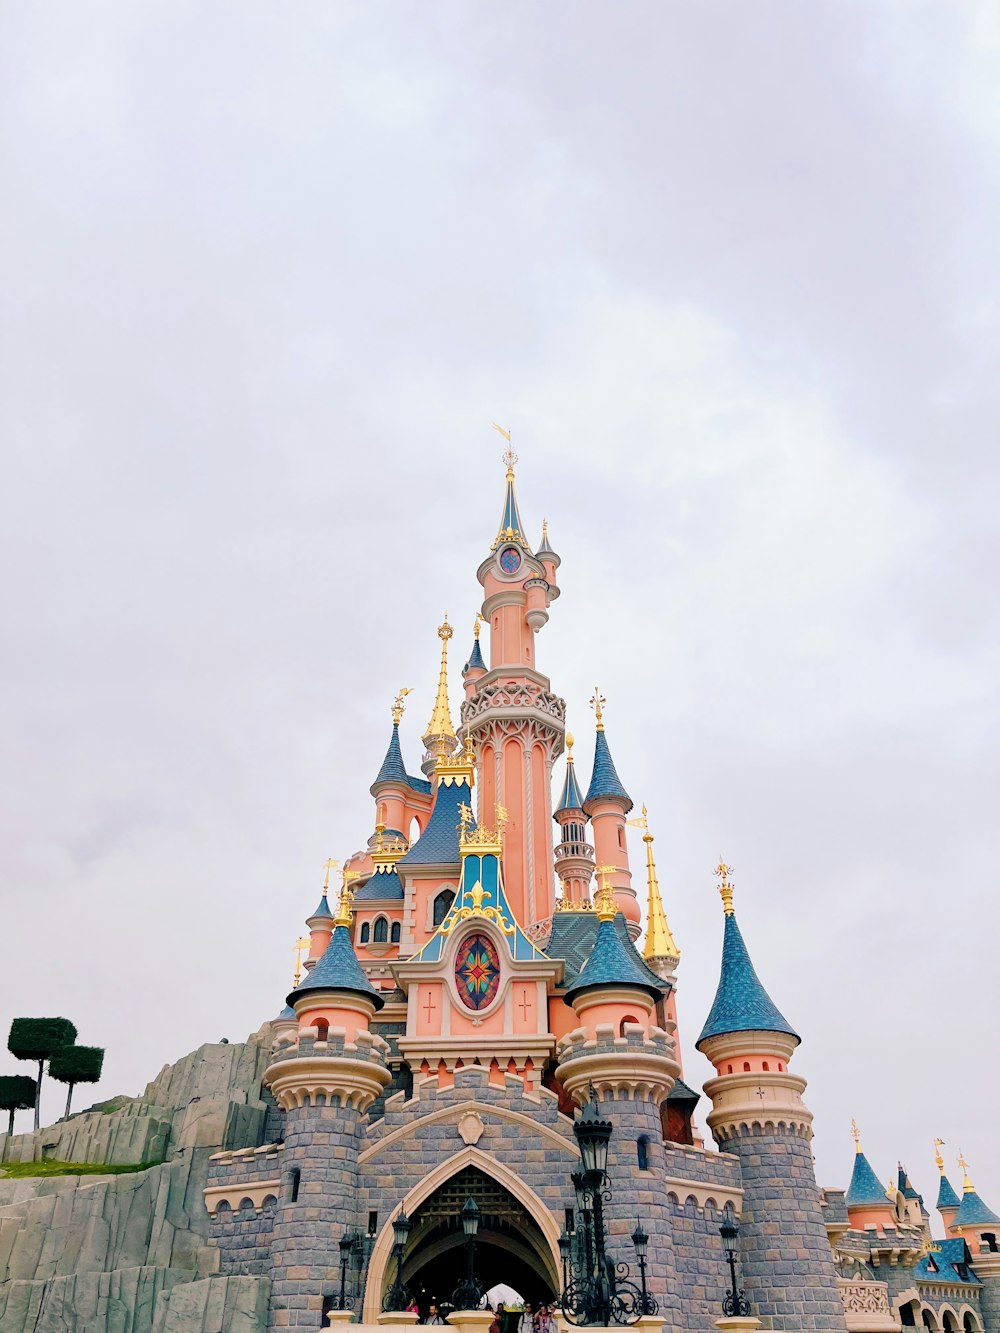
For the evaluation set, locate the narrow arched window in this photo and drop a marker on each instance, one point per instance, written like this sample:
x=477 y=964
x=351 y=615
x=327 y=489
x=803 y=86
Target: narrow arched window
x=629 y=1018
x=766 y=1067
x=294 y=1177
x=366 y=931
x=322 y=1029
x=442 y=903
x=381 y=932
x=394 y=933
x=642 y=1152
x=746 y=1066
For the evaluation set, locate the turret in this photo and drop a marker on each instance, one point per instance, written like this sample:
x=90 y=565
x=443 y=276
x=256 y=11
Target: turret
x=320 y=924
x=475 y=667
x=973 y=1217
x=574 y=856
x=607 y=804
x=391 y=787
x=947 y=1200
x=758 y=1114
x=868 y=1203
x=439 y=738
x=545 y=553
x=325 y=1082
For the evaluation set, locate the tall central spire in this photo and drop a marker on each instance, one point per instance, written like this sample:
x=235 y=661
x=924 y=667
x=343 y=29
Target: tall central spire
x=660 y=942
x=439 y=738
x=511 y=527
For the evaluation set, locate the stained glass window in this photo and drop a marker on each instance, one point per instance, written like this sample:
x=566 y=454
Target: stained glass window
x=477 y=971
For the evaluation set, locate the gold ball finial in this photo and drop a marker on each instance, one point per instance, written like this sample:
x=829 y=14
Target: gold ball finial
x=570 y=742
x=726 y=885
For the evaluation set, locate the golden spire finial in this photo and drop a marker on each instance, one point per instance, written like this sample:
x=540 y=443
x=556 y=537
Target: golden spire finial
x=967 y=1185
x=330 y=865
x=604 y=903
x=726 y=886
x=477 y=625
x=440 y=728
x=597 y=703
x=300 y=944
x=660 y=942
x=938 y=1159
x=398 y=707
x=509 y=456
x=856 y=1133
x=570 y=742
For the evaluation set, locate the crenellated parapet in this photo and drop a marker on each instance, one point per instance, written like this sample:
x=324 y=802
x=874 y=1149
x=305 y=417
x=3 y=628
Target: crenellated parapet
x=247 y=1177
x=635 y=1065
x=333 y=1072
x=754 y=1087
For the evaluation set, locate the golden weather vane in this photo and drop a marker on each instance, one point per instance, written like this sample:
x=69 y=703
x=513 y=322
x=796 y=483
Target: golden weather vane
x=640 y=821
x=301 y=943
x=478 y=624
x=938 y=1159
x=856 y=1135
x=604 y=903
x=597 y=702
x=509 y=456
x=330 y=865
x=726 y=885
x=398 y=707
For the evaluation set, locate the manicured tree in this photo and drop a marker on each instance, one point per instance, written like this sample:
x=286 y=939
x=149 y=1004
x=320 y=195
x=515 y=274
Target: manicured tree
x=17 y=1093
x=39 y=1039
x=76 y=1064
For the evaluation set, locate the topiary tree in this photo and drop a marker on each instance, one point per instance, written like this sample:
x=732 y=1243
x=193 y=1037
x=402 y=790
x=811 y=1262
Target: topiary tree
x=17 y=1093
x=76 y=1064
x=39 y=1039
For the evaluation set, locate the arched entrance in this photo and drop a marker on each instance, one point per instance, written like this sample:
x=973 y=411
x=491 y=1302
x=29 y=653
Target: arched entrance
x=511 y=1246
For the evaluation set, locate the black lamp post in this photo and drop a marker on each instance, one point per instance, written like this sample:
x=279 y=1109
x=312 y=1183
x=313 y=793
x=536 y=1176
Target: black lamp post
x=641 y=1242
x=346 y=1247
x=735 y=1304
x=397 y=1297
x=584 y=1244
x=468 y=1294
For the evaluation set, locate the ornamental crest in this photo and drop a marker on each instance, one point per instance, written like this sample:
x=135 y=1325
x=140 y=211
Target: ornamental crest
x=477 y=972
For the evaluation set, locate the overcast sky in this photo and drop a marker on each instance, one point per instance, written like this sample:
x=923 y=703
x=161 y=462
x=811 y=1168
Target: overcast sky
x=730 y=273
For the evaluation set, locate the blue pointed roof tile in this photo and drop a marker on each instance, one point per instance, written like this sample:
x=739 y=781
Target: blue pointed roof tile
x=382 y=886
x=865 y=1189
x=947 y=1262
x=570 y=798
x=741 y=1003
x=614 y=962
x=338 y=969
x=393 y=769
x=947 y=1198
x=438 y=844
x=475 y=661
x=322 y=912
x=605 y=782
x=972 y=1212
x=287 y=1015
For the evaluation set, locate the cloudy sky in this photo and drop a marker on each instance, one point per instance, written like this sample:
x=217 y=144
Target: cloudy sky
x=728 y=271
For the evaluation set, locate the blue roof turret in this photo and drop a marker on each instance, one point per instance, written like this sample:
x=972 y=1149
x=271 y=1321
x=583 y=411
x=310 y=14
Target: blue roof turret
x=438 y=844
x=545 y=551
x=475 y=662
x=338 y=970
x=383 y=885
x=393 y=769
x=322 y=912
x=865 y=1189
x=287 y=1015
x=741 y=1003
x=605 y=784
x=613 y=962
x=947 y=1198
x=972 y=1212
x=570 y=798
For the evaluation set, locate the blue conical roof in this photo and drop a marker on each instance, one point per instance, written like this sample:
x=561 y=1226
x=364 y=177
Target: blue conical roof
x=972 y=1212
x=393 y=769
x=287 y=1015
x=741 y=1003
x=338 y=969
x=865 y=1189
x=570 y=798
x=546 y=547
x=947 y=1198
x=511 y=528
x=438 y=844
x=604 y=781
x=322 y=912
x=475 y=658
x=614 y=962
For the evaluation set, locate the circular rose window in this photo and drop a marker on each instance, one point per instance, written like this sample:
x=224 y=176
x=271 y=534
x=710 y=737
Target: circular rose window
x=477 y=971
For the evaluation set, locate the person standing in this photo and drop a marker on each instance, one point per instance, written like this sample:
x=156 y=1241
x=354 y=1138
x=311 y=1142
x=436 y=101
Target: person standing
x=526 y=1322
x=433 y=1317
x=544 y=1323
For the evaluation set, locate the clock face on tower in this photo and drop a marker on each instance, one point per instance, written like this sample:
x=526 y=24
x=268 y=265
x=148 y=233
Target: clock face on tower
x=510 y=559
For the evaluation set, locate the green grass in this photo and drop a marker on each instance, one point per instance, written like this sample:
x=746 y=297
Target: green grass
x=17 y=1170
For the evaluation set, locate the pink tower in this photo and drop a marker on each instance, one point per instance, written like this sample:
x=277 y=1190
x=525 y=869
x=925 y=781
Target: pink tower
x=513 y=719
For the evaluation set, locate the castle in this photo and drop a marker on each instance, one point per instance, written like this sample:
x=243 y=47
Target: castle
x=476 y=1000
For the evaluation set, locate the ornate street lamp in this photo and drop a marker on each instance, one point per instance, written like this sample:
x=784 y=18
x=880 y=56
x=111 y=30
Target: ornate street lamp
x=735 y=1305
x=593 y=1134
x=641 y=1242
x=346 y=1247
x=397 y=1297
x=469 y=1294
x=565 y=1241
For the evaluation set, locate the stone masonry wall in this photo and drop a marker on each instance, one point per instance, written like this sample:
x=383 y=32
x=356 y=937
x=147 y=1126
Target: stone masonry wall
x=701 y=1273
x=788 y=1268
x=241 y=1221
